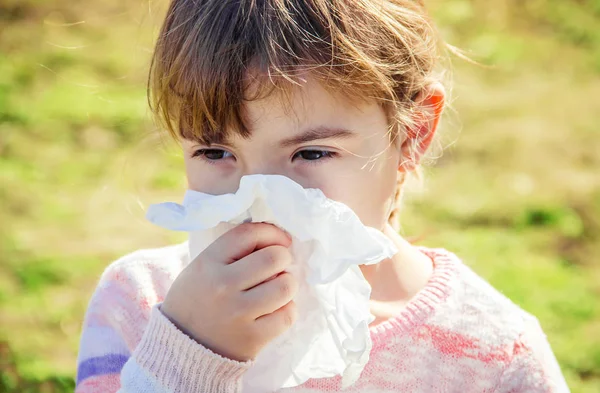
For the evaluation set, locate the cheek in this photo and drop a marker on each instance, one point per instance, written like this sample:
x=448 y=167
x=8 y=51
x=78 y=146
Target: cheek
x=368 y=192
x=202 y=178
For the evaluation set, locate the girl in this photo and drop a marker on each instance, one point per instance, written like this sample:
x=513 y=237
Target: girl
x=340 y=95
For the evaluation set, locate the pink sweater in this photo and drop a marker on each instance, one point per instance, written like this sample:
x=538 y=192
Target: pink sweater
x=458 y=334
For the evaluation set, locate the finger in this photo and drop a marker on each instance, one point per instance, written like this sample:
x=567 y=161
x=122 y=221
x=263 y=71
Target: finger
x=245 y=239
x=271 y=295
x=259 y=266
x=277 y=322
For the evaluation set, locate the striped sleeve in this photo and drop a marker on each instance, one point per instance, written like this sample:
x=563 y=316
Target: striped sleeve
x=105 y=341
x=128 y=346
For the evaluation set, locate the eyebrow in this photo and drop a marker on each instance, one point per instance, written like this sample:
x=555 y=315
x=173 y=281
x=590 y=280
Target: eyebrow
x=313 y=134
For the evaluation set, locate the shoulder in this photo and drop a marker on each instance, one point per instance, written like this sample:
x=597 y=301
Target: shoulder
x=146 y=268
x=149 y=261
x=477 y=311
x=131 y=285
x=477 y=328
x=145 y=273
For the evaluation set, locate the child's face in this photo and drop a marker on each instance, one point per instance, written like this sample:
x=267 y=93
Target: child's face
x=318 y=140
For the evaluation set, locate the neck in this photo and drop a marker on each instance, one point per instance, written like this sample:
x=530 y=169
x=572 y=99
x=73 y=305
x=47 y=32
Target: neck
x=397 y=279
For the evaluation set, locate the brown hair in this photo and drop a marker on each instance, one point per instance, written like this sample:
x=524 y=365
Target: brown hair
x=208 y=51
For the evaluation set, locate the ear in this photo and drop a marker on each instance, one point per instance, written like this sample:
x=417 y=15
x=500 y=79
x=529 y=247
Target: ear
x=428 y=110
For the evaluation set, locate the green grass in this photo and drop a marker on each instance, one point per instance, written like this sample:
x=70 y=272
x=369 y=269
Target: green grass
x=516 y=193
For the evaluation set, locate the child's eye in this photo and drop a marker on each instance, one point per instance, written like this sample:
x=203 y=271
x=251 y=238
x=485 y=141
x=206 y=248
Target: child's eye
x=212 y=154
x=313 y=155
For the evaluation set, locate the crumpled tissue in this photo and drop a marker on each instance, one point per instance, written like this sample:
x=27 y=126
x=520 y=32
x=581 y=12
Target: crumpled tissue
x=331 y=335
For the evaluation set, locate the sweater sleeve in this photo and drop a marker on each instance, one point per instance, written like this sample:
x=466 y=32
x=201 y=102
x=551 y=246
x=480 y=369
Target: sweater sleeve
x=128 y=346
x=534 y=368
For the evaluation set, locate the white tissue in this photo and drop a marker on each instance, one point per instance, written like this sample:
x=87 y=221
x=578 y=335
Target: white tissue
x=331 y=335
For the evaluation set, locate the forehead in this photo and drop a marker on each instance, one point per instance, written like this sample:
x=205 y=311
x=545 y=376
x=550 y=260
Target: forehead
x=278 y=110
x=309 y=104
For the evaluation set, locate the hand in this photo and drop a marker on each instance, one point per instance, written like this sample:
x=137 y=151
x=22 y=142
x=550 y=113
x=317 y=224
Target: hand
x=234 y=298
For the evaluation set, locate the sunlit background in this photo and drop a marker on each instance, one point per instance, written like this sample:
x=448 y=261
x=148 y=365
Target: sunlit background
x=516 y=193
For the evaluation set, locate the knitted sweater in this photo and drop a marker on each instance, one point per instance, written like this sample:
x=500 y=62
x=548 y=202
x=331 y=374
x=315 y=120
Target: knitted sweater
x=458 y=334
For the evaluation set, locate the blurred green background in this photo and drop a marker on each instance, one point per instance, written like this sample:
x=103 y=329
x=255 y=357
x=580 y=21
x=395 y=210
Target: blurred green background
x=516 y=192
